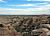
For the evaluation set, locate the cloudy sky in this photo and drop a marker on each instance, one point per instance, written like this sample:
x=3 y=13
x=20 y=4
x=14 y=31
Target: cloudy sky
x=24 y=7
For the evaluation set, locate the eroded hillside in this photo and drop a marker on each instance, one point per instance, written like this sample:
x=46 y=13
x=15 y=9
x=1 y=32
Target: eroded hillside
x=25 y=25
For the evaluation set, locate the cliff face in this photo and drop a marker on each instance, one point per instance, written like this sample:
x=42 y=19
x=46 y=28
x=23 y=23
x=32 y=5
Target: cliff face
x=24 y=25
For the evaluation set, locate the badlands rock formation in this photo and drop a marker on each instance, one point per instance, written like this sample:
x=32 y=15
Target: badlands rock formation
x=25 y=25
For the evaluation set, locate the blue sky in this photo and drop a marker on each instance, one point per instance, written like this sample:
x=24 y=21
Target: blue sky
x=24 y=7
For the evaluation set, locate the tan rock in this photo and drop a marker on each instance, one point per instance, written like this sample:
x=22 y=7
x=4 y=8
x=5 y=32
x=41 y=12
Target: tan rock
x=48 y=33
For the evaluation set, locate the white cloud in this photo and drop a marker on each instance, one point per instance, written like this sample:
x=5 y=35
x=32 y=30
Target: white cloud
x=28 y=0
x=26 y=5
x=33 y=5
x=27 y=11
x=23 y=5
x=38 y=0
x=2 y=1
x=45 y=0
x=45 y=6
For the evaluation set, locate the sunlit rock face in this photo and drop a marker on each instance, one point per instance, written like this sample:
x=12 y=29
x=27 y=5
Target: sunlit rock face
x=25 y=25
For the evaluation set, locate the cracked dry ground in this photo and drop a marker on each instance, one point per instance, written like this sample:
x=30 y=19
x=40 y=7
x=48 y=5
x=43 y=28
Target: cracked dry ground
x=25 y=25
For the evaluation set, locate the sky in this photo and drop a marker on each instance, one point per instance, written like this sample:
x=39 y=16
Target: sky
x=24 y=7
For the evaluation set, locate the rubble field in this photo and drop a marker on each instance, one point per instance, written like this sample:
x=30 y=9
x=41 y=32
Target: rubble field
x=25 y=25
